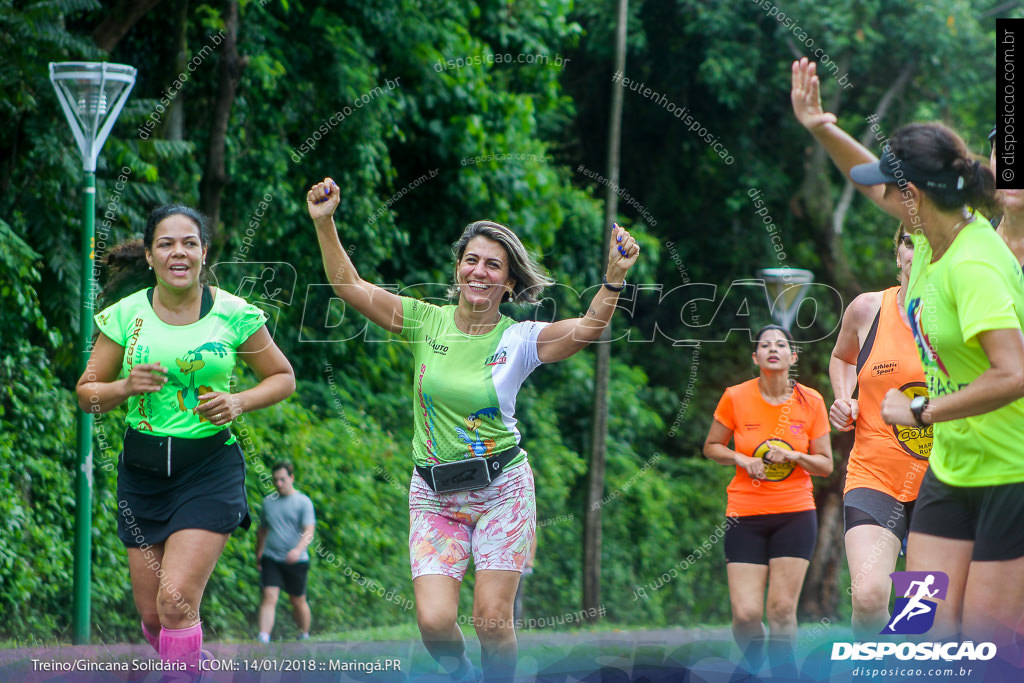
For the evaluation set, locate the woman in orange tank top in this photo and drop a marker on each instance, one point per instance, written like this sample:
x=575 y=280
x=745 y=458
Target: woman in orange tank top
x=780 y=436
x=875 y=352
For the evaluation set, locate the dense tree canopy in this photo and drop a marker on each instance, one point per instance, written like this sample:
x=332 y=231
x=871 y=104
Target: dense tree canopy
x=430 y=115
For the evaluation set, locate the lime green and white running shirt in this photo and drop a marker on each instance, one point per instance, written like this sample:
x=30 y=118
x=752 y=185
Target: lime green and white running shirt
x=465 y=386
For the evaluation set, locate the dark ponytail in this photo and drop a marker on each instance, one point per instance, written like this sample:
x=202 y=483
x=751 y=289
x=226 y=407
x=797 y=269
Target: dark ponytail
x=933 y=149
x=127 y=271
x=979 y=183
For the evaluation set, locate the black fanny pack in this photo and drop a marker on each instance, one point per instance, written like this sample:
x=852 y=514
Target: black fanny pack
x=468 y=474
x=165 y=456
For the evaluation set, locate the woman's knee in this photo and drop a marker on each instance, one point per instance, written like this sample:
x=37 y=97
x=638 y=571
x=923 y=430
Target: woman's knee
x=177 y=607
x=870 y=597
x=747 y=610
x=438 y=624
x=781 y=612
x=746 y=618
x=493 y=619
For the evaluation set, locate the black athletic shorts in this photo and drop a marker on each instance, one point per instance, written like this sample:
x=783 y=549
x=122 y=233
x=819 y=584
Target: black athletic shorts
x=291 y=577
x=990 y=516
x=755 y=539
x=868 y=506
x=209 y=495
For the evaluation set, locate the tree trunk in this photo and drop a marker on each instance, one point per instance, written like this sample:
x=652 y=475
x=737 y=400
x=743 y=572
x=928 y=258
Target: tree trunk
x=820 y=597
x=602 y=363
x=119 y=21
x=175 y=127
x=230 y=73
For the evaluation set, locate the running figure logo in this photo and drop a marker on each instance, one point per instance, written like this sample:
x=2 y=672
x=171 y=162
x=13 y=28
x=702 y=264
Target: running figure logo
x=914 y=612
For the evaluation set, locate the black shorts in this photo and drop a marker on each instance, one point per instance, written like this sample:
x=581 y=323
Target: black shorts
x=291 y=577
x=755 y=539
x=209 y=495
x=868 y=506
x=988 y=515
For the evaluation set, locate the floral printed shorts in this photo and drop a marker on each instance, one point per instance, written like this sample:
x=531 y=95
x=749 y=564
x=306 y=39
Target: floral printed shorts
x=495 y=525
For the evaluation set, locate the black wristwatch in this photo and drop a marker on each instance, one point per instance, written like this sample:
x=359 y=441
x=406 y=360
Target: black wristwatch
x=917 y=406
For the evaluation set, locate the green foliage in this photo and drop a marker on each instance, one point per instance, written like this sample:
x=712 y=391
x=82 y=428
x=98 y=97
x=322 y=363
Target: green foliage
x=408 y=106
x=36 y=454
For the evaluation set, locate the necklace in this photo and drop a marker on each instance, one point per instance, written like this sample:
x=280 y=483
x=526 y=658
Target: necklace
x=937 y=253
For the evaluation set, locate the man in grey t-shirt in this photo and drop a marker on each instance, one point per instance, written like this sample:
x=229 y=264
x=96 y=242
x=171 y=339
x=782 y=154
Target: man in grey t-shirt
x=286 y=529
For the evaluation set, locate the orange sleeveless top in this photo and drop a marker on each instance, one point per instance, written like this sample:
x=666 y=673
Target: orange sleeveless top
x=888 y=458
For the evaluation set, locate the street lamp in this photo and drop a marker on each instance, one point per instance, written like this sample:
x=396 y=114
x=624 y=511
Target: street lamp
x=91 y=95
x=787 y=288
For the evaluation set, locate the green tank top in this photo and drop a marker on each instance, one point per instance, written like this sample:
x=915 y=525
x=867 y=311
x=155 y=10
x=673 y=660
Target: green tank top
x=199 y=358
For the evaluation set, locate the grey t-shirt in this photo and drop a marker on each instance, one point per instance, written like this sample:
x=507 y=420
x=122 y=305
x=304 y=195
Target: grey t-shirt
x=285 y=516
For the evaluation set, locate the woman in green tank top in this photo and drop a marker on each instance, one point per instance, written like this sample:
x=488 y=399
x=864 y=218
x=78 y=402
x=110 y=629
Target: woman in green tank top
x=965 y=303
x=471 y=493
x=167 y=350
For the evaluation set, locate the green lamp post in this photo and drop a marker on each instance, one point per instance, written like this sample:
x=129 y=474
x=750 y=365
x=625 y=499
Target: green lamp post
x=91 y=95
